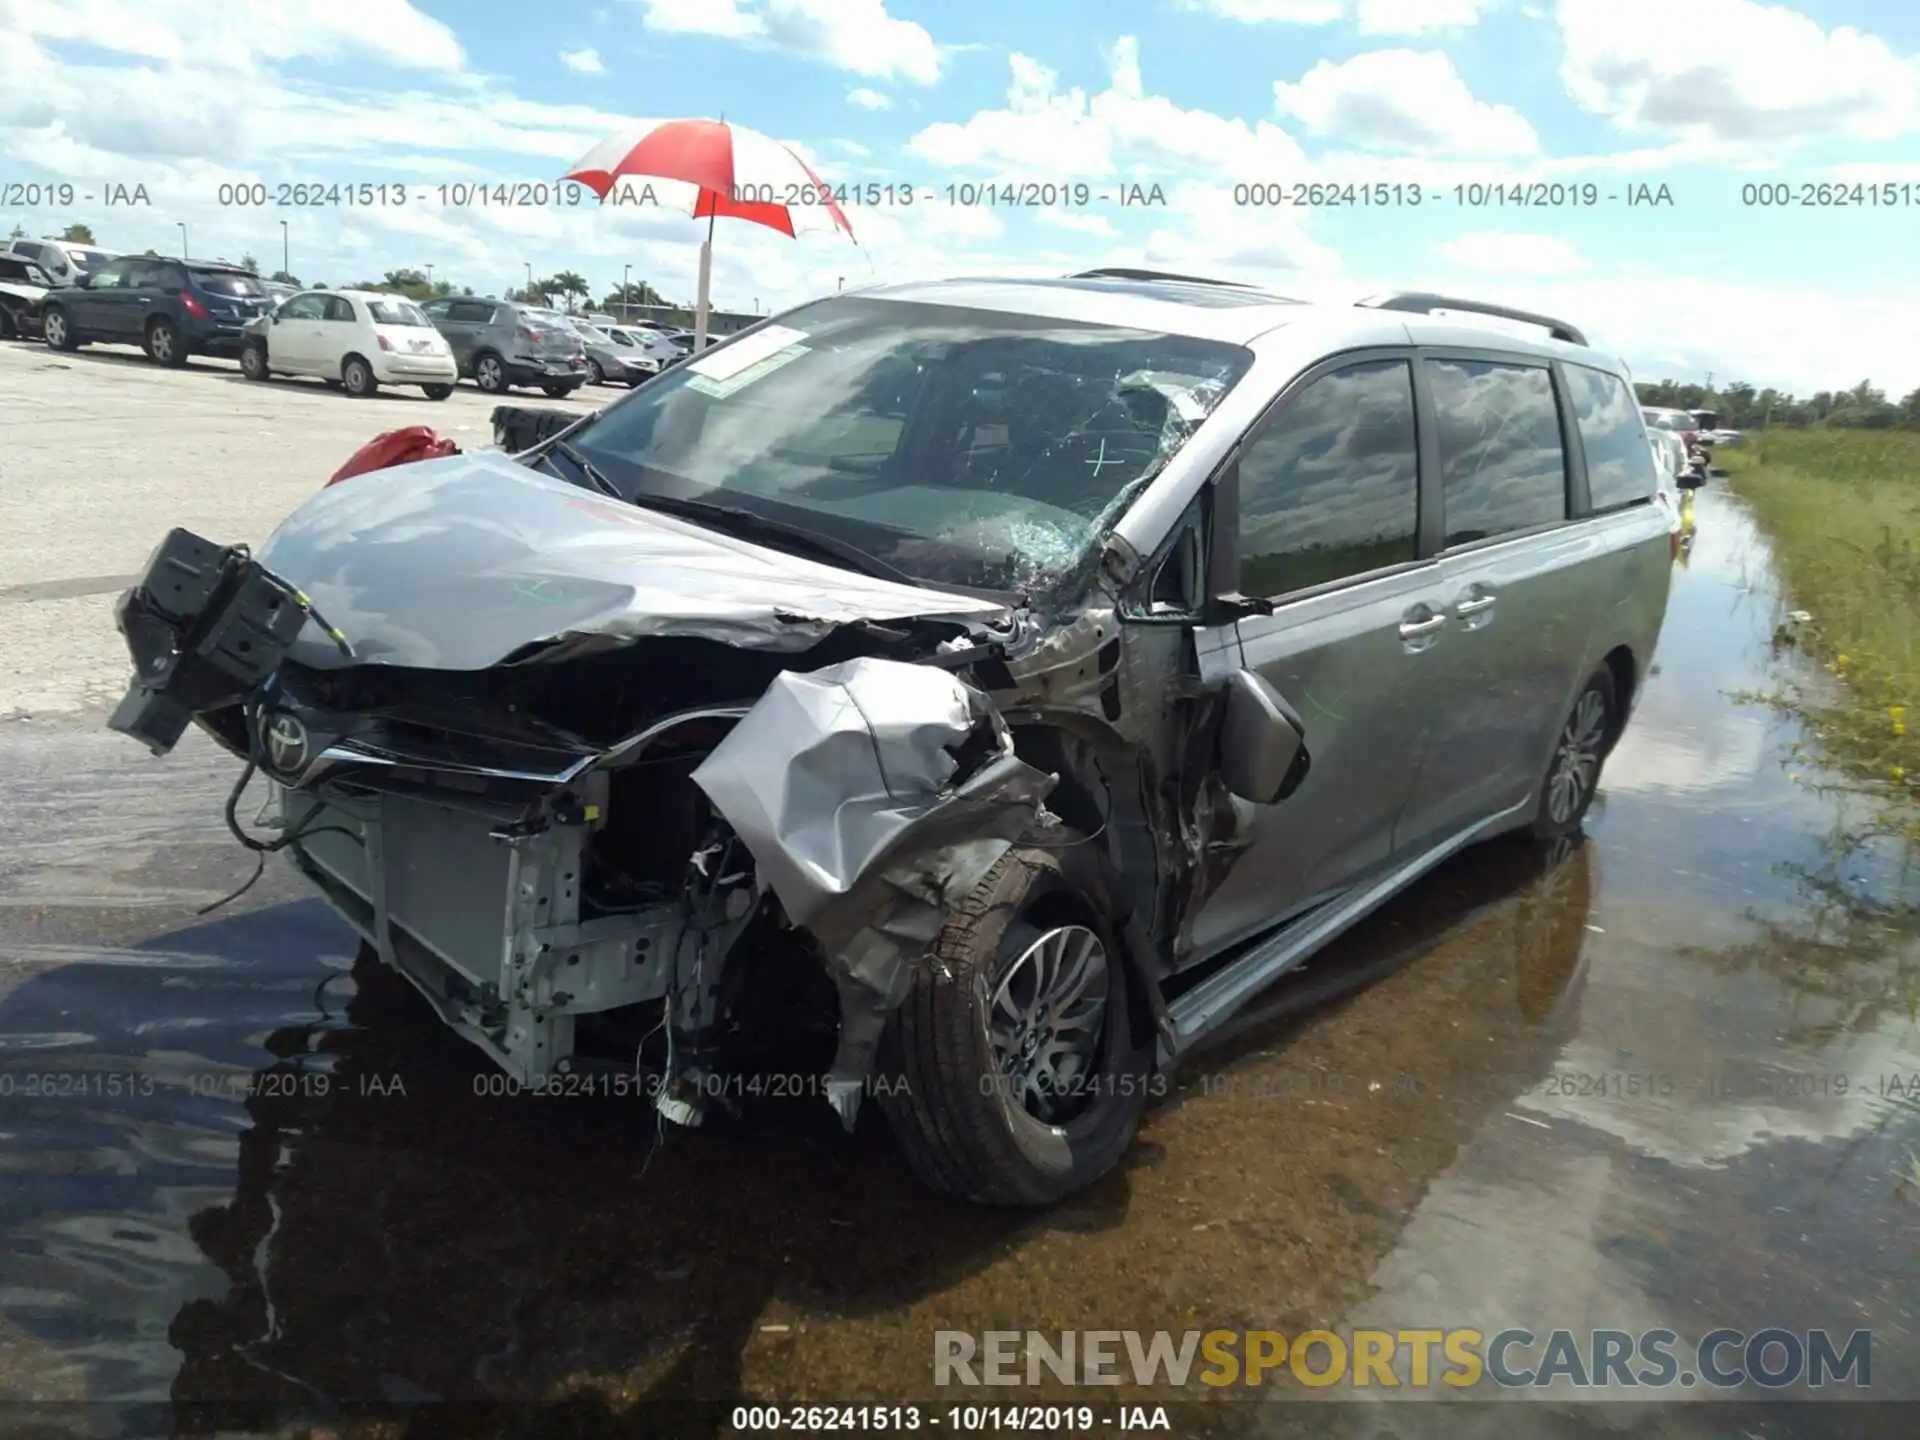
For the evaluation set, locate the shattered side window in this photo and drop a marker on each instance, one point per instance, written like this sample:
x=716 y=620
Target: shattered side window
x=974 y=447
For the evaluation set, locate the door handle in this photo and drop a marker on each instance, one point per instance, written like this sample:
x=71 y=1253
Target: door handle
x=1414 y=629
x=1474 y=605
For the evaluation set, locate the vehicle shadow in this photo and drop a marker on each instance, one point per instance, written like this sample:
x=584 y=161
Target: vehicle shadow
x=400 y=1232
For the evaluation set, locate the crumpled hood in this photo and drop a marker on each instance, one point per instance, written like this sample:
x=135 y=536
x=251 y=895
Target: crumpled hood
x=456 y=563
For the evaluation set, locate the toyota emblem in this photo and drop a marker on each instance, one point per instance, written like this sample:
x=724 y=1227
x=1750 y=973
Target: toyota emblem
x=287 y=745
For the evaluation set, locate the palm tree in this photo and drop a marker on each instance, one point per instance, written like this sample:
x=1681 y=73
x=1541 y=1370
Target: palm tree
x=567 y=284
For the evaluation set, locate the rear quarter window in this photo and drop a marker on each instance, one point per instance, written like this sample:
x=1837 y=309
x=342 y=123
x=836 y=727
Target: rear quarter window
x=1620 y=468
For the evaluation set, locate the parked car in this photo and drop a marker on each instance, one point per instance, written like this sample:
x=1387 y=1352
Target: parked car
x=362 y=339
x=64 y=262
x=501 y=344
x=1671 y=453
x=981 y=688
x=279 y=290
x=1683 y=424
x=23 y=290
x=618 y=356
x=172 y=309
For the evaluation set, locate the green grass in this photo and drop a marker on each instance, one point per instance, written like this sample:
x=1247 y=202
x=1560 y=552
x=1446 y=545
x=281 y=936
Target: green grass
x=1841 y=510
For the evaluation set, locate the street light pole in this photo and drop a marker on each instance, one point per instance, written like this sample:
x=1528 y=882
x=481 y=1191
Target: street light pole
x=529 y=265
x=183 y=238
x=286 y=265
x=429 y=277
x=838 y=283
x=626 y=296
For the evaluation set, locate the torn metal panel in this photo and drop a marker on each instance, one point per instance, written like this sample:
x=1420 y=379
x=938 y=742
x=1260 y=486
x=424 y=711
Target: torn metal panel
x=873 y=795
x=460 y=563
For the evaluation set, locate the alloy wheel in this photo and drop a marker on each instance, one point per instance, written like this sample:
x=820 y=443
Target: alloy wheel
x=1576 y=760
x=1044 y=1021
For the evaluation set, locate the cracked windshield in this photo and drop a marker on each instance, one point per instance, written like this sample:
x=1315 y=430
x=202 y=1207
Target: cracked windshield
x=861 y=716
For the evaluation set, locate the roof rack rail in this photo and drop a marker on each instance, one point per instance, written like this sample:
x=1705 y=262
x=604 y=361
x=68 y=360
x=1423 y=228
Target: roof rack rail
x=1419 y=302
x=1123 y=273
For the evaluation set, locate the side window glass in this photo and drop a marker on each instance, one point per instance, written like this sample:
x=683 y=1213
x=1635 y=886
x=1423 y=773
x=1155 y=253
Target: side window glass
x=1331 y=489
x=1620 y=467
x=110 y=277
x=339 y=309
x=1501 y=464
x=302 y=307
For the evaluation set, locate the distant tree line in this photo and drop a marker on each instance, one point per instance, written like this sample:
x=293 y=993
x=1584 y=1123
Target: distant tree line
x=1741 y=407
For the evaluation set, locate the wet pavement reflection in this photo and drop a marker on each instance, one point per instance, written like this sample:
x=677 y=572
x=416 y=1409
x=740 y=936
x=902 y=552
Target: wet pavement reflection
x=1668 y=1075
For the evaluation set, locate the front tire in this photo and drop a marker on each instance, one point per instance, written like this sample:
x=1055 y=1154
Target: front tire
x=490 y=375
x=57 y=332
x=1579 y=752
x=437 y=392
x=253 y=362
x=358 y=378
x=164 y=345
x=1017 y=1076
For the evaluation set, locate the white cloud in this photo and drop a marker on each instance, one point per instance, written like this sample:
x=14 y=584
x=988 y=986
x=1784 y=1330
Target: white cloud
x=869 y=99
x=1411 y=100
x=1372 y=17
x=587 y=61
x=1510 y=252
x=1733 y=70
x=1419 y=17
x=211 y=33
x=855 y=35
x=1122 y=132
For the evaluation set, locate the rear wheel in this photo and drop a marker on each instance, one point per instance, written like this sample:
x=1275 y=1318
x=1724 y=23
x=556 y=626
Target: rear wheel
x=489 y=374
x=357 y=376
x=253 y=361
x=437 y=392
x=1018 y=1077
x=1573 y=774
x=559 y=392
x=8 y=330
x=595 y=373
x=164 y=345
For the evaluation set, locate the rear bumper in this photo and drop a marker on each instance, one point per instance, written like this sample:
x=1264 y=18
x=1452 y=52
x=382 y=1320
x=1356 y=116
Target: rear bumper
x=524 y=371
x=400 y=368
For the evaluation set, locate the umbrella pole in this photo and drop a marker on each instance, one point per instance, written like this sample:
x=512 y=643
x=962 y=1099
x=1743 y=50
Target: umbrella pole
x=706 y=285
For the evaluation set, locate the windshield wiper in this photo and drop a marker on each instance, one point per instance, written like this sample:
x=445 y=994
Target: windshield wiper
x=585 y=466
x=751 y=525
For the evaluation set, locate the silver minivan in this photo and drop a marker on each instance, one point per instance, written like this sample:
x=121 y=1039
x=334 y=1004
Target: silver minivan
x=964 y=695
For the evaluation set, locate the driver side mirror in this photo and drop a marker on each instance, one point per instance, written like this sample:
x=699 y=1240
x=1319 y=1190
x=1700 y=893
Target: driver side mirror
x=1263 y=742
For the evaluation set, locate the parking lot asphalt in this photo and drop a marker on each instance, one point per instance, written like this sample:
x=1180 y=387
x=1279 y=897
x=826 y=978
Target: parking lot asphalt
x=102 y=452
x=1656 y=1078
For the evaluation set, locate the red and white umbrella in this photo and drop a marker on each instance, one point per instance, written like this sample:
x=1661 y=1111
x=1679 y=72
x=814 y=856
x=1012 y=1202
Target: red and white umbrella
x=732 y=171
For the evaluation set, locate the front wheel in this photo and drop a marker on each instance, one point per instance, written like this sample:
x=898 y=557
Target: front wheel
x=1017 y=1077
x=55 y=330
x=253 y=362
x=437 y=392
x=1573 y=774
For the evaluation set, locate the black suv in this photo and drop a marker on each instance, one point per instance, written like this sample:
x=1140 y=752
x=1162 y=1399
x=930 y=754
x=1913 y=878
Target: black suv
x=170 y=308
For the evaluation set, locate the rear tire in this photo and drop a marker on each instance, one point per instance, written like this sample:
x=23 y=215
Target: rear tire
x=559 y=392
x=595 y=374
x=357 y=376
x=437 y=392
x=957 y=1100
x=489 y=373
x=163 y=344
x=253 y=361
x=1579 y=752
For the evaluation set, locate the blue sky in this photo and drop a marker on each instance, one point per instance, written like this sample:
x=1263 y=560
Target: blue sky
x=1703 y=97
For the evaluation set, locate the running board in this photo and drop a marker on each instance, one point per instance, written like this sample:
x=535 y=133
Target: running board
x=1214 y=1001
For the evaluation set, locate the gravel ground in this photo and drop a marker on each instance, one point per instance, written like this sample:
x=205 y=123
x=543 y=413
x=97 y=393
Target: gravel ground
x=102 y=452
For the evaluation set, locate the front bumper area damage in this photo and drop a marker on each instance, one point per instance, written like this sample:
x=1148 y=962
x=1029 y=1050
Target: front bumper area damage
x=538 y=879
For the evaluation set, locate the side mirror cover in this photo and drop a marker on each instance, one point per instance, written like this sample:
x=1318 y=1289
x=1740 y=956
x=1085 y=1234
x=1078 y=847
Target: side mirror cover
x=1263 y=741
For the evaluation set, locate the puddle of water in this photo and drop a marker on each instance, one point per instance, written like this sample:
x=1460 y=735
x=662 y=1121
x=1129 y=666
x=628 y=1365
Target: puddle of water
x=220 y=1185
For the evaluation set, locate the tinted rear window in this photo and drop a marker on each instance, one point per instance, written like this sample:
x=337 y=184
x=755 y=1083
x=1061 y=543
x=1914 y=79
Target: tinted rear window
x=1501 y=464
x=227 y=282
x=1619 y=464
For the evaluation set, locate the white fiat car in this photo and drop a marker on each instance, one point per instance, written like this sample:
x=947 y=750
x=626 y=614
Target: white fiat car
x=358 y=339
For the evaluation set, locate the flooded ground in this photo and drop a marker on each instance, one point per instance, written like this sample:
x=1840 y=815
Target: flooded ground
x=1669 y=1076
